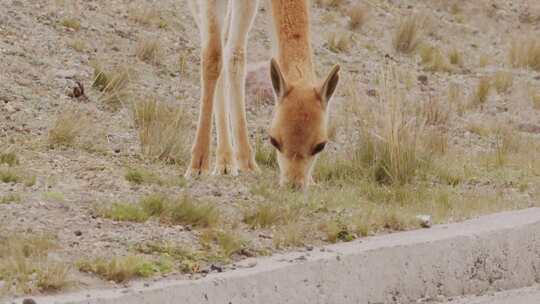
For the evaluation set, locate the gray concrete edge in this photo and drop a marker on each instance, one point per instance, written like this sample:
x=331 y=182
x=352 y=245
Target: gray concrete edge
x=494 y=252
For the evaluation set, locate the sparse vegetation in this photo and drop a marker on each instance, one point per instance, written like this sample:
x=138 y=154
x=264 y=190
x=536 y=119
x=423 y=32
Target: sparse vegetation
x=149 y=50
x=26 y=267
x=113 y=85
x=481 y=92
x=10 y=198
x=525 y=53
x=408 y=34
x=358 y=15
x=184 y=211
x=9 y=158
x=72 y=23
x=503 y=81
x=162 y=130
x=119 y=269
x=68 y=126
x=434 y=60
x=339 y=42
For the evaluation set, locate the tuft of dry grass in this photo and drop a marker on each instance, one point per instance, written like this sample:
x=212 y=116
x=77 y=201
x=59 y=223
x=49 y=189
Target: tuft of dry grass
x=163 y=130
x=26 y=266
x=434 y=59
x=228 y=243
x=187 y=211
x=72 y=23
x=265 y=154
x=434 y=114
x=9 y=158
x=10 y=198
x=113 y=84
x=78 y=45
x=455 y=57
x=408 y=34
x=503 y=81
x=149 y=50
x=119 y=269
x=339 y=42
x=264 y=215
x=358 y=15
x=291 y=235
x=483 y=61
x=456 y=98
x=67 y=128
x=535 y=97
x=525 y=53
x=481 y=92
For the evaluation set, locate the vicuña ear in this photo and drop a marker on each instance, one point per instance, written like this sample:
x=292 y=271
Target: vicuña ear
x=330 y=84
x=278 y=81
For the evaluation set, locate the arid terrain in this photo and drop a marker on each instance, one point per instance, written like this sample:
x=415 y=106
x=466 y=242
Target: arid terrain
x=436 y=119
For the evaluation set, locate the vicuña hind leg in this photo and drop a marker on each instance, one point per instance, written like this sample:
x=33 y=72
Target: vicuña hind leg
x=242 y=15
x=212 y=13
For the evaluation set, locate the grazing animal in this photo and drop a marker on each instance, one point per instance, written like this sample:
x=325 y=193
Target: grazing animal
x=299 y=127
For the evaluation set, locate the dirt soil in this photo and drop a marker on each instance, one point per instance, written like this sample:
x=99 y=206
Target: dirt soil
x=40 y=67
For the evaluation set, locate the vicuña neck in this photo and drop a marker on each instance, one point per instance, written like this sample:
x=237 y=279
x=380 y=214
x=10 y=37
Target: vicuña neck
x=292 y=29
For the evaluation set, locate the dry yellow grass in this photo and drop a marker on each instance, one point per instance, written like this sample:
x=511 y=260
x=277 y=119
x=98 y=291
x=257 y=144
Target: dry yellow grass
x=67 y=128
x=149 y=50
x=481 y=92
x=113 y=84
x=503 y=81
x=433 y=59
x=358 y=15
x=525 y=53
x=26 y=267
x=163 y=130
x=339 y=42
x=408 y=34
x=72 y=23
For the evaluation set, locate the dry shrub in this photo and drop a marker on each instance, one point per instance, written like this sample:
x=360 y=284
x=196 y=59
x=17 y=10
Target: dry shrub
x=408 y=34
x=163 y=130
x=525 y=53
x=358 y=15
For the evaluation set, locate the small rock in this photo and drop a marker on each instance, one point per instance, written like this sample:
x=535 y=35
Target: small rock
x=423 y=79
x=309 y=248
x=28 y=301
x=78 y=232
x=372 y=93
x=425 y=220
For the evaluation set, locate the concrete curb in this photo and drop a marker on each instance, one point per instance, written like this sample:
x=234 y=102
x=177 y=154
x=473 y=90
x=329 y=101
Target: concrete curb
x=495 y=252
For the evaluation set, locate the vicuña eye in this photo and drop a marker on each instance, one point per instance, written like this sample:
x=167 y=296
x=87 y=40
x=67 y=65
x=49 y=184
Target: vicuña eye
x=318 y=148
x=275 y=143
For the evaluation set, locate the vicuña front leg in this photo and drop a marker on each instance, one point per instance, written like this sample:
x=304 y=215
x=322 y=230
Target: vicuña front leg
x=224 y=152
x=212 y=15
x=242 y=15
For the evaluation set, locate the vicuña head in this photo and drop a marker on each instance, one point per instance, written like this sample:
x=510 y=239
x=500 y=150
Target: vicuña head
x=299 y=129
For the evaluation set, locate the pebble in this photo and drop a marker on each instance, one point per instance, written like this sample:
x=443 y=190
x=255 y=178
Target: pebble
x=425 y=220
x=78 y=233
x=29 y=301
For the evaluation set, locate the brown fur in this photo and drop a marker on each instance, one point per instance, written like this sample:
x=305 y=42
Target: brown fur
x=300 y=119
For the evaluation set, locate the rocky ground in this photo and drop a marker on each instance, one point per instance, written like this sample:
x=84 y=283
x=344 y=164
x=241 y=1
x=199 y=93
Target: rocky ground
x=43 y=55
